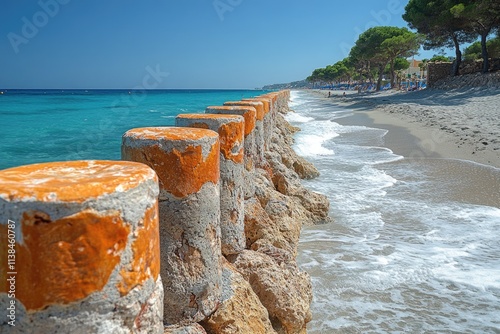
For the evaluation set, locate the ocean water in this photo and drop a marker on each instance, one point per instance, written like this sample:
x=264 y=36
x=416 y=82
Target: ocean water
x=415 y=246
x=58 y=125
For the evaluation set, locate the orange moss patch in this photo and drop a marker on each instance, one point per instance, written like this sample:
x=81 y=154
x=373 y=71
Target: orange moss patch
x=181 y=173
x=258 y=105
x=265 y=101
x=273 y=96
x=231 y=135
x=248 y=113
x=208 y=116
x=146 y=249
x=71 y=181
x=170 y=133
x=249 y=121
x=66 y=260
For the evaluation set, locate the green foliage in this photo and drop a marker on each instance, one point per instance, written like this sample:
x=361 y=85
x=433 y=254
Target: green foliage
x=435 y=20
x=340 y=71
x=481 y=17
x=440 y=24
x=474 y=51
x=439 y=58
x=369 y=44
x=401 y=64
x=441 y=28
x=382 y=45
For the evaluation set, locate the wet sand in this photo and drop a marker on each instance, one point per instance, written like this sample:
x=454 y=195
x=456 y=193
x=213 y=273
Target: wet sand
x=469 y=175
x=460 y=124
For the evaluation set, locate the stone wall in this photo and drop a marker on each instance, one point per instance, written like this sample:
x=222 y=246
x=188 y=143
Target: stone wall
x=195 y=231
x=439 y=71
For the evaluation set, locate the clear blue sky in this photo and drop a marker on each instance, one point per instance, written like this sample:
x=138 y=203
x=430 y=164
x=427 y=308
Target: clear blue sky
x=200 y=43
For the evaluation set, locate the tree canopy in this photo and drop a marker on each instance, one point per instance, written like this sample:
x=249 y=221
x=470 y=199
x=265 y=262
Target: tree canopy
x=474 y=51
x=382 y=45
x=451 y=23
x=480 y=17
x=441 y=28
x=438 y=24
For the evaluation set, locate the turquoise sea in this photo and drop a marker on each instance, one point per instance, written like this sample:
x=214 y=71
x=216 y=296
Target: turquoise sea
x=57 y=125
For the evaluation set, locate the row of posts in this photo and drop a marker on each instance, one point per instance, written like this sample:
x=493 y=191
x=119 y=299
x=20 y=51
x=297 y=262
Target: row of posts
x=133 y=245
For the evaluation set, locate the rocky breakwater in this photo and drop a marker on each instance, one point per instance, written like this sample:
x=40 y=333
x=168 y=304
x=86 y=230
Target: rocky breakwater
x=263 y=289
x=198 y=233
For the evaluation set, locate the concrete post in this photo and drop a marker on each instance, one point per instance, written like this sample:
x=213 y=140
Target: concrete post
x=187 y=163
x=259 y=126
x=84 y=241
x=249 y=114
x=274 y=109
x=267 y=121
x=231 y=136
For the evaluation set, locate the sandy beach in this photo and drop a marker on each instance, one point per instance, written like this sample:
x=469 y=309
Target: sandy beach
x=413 y=243
x=456 y=124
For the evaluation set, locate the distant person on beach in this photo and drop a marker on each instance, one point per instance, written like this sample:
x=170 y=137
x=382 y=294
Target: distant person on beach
x=343 y=94
x=329 y=94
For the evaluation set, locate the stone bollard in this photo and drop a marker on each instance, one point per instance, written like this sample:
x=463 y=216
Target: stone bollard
x=274 y=109
x=249 y=113
x=231 y=133
x=85 y=243
x=259 y=126
x=187 y=163
x=267 y=122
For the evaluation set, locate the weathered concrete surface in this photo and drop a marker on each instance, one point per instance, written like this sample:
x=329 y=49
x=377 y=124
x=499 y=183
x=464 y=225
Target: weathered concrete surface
x=187 y=163
x=259 y=127
x=267 y=121
x=250 y=152
x=230 y=129
x=273 y=220
x=86 y=260
x=241 y=310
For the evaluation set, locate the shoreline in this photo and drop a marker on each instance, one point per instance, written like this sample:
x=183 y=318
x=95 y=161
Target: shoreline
x=424 y=125
x=401 y=225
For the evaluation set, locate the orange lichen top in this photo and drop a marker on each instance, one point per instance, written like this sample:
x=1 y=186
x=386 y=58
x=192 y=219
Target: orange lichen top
x=231 y=132
x=169 y=133
x=209 y=116
x=272 y=96
x=183 y=168
x=71 y=181
x=259 y=107
x=265 y=101
x=249 y=113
